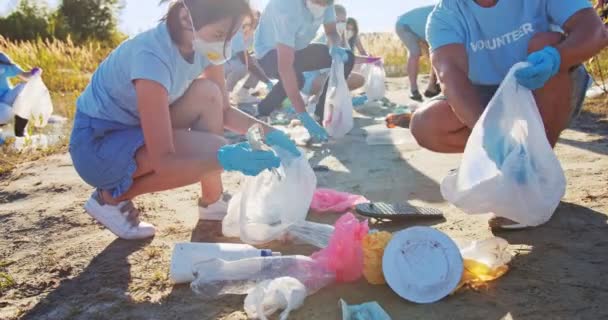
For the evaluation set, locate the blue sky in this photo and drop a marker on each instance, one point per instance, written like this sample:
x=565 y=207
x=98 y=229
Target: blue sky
x=373 y=15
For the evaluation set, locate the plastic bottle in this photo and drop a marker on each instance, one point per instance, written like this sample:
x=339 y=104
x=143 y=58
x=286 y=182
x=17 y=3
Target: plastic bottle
x=187 y=255
x=218 y=277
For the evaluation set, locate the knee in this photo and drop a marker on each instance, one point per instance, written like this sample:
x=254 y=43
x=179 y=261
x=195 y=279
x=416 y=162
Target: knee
x=207 y=91
x=421 y=126
x=543 y=39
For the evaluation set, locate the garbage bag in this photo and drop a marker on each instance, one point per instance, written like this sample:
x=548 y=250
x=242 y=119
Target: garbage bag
x=34 y=102
x=269 y=203
x=271 y=296
x=338 y=103
x=375 y=87
x=508 y=166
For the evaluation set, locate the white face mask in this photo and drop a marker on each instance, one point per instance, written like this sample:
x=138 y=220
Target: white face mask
x=350 y=34
x=317 y=10
x=216 y=52
x=341 y=27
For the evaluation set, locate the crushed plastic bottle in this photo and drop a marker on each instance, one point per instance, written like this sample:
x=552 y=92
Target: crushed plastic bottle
x=218 y=277
x=484 y=261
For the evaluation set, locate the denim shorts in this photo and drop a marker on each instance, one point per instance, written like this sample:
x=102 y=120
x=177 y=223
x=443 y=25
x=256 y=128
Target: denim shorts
x=103 y=152
x=579 y=77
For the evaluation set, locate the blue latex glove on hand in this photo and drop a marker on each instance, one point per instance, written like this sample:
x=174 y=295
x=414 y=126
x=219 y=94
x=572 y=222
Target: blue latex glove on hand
x=544 y=64
x=314 y=128
x=339 y=53
x=278 y=138
x=269 y=86
x=240 y=157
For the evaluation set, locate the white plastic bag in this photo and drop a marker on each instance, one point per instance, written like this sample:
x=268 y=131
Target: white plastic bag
x=272 y=295
x=269 y=204
x=375 y=87
x=508 y=166
x=338 y=103
x=34 y=102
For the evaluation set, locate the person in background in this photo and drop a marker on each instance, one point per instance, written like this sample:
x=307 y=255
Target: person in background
x=314 y=80
x=242 y=63
x=8 y=93
x=411 y=29
x=603 y=11
x=352 y=36
x=153 y=118
x=472 y=54
x=283 y=47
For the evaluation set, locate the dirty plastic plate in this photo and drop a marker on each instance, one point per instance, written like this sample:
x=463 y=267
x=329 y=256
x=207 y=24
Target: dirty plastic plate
x=422 y=265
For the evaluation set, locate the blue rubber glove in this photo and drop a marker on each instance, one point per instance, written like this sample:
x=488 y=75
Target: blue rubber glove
x=339 y=53
x=316 y=131
x=269 y=86
x=278 y=138
x=36 y=70
x=544 y=64
x=240 y=157
x=359 y=100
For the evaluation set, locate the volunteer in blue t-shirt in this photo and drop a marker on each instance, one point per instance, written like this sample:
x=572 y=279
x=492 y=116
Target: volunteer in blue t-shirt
x=411 y=29
x=475 y=43
x=153 y=118
x=8 y=93
x=283 y=47
x=242 y=63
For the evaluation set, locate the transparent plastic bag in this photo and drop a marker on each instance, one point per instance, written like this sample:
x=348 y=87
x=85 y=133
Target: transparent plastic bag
x=375 y=87
x=216 y=278
x=269 y=203
x=34 y=102
x=338 y=103
x=271 y=296
x=379 y=134
x=484 y=261
x=316 y=234
x=508 y=166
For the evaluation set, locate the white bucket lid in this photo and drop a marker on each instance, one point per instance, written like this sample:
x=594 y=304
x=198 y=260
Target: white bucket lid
x=422 y=265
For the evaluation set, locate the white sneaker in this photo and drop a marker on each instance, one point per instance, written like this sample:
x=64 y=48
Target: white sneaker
x=122 y=219
x=244 y=97
x=213 y=212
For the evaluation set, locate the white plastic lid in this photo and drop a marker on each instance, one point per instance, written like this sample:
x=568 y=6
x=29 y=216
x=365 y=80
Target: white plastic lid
x=422 y=265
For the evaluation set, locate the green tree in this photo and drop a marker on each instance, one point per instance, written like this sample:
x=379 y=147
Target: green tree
x=27 y=22
x=89 y=19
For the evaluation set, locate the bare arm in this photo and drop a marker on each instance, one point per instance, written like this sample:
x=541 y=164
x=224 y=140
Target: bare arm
x=333 y=38
x=451 y=65
x=234 y=119
x=254 y=67
x=586 y=37
x=153 y=106
x=286 y=57
x=360 y=47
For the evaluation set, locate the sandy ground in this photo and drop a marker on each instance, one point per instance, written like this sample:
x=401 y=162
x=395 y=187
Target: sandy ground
x=65 y=266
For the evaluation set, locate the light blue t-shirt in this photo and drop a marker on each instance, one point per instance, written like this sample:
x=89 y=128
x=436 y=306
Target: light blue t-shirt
x=496 y=38
x=288 y=22
x=416 y=20
x=240 y=44
x=6 y=72
x=151 y=55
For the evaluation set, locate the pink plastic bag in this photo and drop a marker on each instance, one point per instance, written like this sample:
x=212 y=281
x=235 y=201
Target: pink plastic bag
x=327 y=200
x=344 y=254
